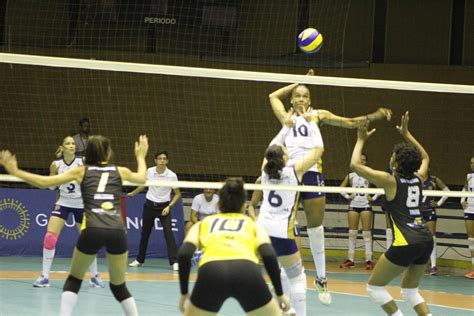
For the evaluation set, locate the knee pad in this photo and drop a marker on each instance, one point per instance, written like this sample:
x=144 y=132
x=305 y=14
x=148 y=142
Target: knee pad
x=367 y=234
x=470 y=242
x=353 y=234
x=72 y=284
x=120 y=292
x=295 y=270
x=50 y=240
x=412 y=296
x=378 y=294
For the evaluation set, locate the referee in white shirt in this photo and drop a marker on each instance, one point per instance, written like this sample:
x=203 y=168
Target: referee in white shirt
x=158 y=204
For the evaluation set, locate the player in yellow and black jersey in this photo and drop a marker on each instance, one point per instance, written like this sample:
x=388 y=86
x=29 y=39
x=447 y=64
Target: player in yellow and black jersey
x=229 y=264
x=413 y=242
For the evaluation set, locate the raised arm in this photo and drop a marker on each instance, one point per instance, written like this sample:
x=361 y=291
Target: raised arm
x=380 y=178
x=276 y=101
x=425 y=159
x=11 y=166
x=141 y=149
x=329 y=118
x=256 y=198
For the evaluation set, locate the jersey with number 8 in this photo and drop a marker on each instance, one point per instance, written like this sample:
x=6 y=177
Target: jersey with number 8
x=405 y=213
x=278 y=210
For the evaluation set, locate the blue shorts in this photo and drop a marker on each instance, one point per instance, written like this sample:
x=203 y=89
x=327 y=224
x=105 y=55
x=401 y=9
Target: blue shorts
x=63 y=212
x=312 y=178
x=469 y=216
x=429 y=215
x=283 y=246
x=360 y=209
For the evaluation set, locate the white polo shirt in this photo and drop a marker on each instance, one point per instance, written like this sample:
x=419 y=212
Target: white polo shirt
x=160 y=194
x=203 y=207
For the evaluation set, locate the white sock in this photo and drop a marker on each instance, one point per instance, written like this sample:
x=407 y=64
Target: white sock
x=368 y=244
x=352 y=244
x=316 y=242
x=68 y=301
x=129 y=306
x=93 y=268
x=298 y=294
x=285 y=283
x=48 y=256
x=398 y=313
x=433 y=254
x=389 y=236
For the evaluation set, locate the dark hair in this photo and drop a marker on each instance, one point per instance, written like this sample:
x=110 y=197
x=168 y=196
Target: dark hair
x=162 y=152
x=232 y=196
x=83 y=120
x=300 y=85
x=408 y=159
x=98 y=150
x=275 y=163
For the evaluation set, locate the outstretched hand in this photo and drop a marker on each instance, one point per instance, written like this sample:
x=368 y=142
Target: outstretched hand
x=308 y=114
x=387 y=113
x=141 y=146
x=403 y=127
x=8 y=160
x=288 y=119
x=363 y=133
x=311 y=72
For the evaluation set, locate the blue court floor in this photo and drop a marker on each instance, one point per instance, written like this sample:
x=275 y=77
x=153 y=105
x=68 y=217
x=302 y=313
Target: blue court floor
x=156 y=290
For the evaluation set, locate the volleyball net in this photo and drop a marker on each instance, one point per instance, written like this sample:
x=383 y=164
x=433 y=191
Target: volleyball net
x=195 y=77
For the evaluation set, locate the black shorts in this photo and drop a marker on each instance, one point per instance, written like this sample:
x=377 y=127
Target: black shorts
x=360 y=209
x=411 y=254
x=429 y=215
x=239 y=279
x=92 y=239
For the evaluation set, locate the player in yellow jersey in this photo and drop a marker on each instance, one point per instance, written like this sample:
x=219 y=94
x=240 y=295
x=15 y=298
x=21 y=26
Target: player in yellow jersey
x=413 y=243
x=229 y=264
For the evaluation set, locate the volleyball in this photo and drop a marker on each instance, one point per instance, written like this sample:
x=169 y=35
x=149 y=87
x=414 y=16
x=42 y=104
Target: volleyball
x=310 y=41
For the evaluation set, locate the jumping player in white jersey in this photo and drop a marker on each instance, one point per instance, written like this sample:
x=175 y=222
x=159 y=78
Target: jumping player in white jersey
x=359 y=208
x=314 y=203
x=69 y=202
x=278 y=210
x=468 y=206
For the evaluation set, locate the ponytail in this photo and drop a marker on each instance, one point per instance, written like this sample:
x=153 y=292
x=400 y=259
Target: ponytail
x=275 y=163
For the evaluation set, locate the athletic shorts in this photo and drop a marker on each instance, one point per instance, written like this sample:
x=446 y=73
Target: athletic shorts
x=360 y=209
x=63 y=212
x=284 y=246
x=429 y=215
x=239 y=279
x=92 y=239
x=469 y=216
x=411 y=254
x=312 y=178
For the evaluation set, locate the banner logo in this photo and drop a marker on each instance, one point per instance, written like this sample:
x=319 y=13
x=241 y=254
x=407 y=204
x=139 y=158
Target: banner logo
x=18 y=219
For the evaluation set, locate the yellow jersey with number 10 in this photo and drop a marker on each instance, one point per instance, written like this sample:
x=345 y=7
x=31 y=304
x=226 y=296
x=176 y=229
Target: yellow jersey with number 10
x=227 y=236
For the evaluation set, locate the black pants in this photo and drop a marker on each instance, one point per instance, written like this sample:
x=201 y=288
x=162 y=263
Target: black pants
x=152 y=210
